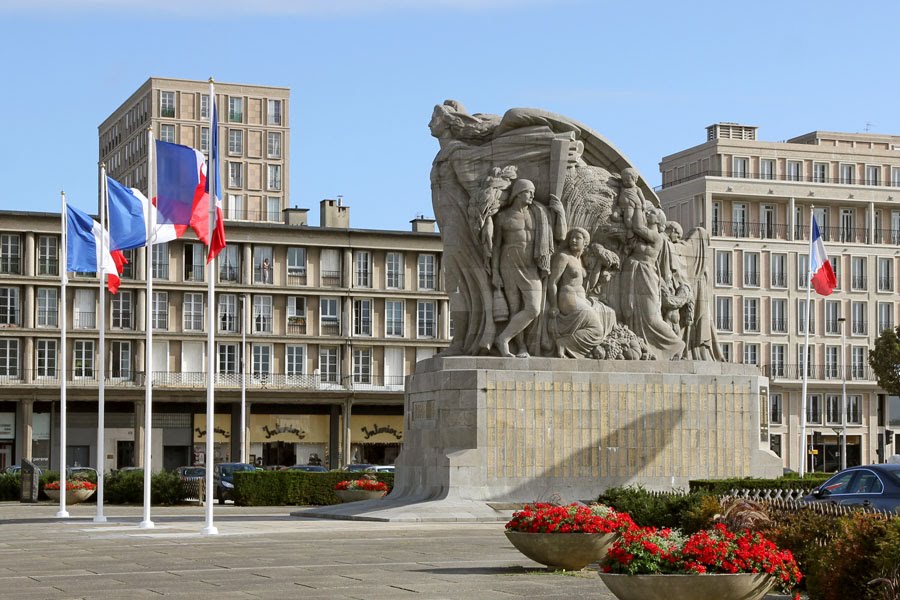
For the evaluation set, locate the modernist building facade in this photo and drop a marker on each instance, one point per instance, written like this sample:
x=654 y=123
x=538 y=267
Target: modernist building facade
x=335 y=319
x=755 y=198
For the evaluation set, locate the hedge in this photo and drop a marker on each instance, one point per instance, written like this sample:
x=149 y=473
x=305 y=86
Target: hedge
x=10 y=484
x=721 y=487
x=300 y=488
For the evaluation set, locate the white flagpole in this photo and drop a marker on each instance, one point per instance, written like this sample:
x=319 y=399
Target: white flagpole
x=63 y=280
x=147 y=523
x=210 y=529
x=101 y=350
x=804 y=451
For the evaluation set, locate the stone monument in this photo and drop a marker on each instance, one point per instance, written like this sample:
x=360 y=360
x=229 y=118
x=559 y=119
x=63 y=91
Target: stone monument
x=584 y=354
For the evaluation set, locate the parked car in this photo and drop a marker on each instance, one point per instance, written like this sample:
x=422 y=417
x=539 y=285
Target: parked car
x=355 y=468
x=86 y=473
x=875 y=486
x=381 y=469
x=18 y=469
x=193 y=480
x=309 y=468
x=224 y=478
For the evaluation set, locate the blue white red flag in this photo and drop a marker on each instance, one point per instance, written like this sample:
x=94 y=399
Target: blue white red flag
x=180 y=187
x=217 y=243
x=822 y=275
x=83 y=235
x=129 y=212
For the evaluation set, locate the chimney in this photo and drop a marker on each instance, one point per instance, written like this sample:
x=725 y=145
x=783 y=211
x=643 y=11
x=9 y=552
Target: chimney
x=422 y=224
x=333 y=213
x=298 y=217
x=731 y=131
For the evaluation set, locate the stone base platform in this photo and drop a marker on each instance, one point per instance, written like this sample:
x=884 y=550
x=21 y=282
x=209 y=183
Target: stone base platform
x=484 y=431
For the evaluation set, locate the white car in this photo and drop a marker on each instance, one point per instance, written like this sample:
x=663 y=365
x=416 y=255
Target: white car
x=381 y=469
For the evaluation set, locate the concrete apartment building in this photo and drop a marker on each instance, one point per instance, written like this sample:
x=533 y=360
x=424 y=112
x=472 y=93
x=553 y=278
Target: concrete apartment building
x=754 y=198
x=336 y=316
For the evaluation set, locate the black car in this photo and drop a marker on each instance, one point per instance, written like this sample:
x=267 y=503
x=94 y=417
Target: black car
x=308 y=468
x=875 y=486
x=224 y=477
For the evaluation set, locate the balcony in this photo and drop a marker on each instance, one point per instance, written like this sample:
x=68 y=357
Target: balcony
x=792 y=177
x=751 y=278
x=296 y=325
x=84 y=320
x=887 y=236
x=747 y=229
x=262 y=275
x=48 y=267
x=885 y=284
x=779 y=325
x=229 y=274
x=779 y=279
x=374 y=383
x=824 y=372
x=330 y=328
x=858 y=282
x=296 y=276
x=860 y=327
x=9 y=318
x=723 y=277
x=10 y=265
x=723 y=323
x=194 y=273
x=330 y=279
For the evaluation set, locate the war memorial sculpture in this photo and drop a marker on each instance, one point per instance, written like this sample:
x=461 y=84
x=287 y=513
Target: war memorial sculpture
x=584 y=355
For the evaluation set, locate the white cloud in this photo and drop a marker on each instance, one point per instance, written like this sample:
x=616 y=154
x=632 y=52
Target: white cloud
x=230 y=8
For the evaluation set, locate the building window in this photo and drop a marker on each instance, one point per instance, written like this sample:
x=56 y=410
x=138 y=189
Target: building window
x=273 y=180
x=10 y=254
x=810 y=360
x=48 y=255
x=776 y=409
x=848 y=174
x=393 y=318
x=426 y=271
x=895 y=176
x=814 y=409
x=751 y=315
x=723 y=268
x=273 y=144
x=9 y=306
x=329 y=321
x=858 y=273
x=832 y=314
x=751 y=354
x=779 y=270
x=775 y=443
x=858 y=358
x=9 y=358
x=122 y=310
x=820 y=172
x=296 y=315
x=83 y=359
x=194 y=262
x=854 y=409
x=235 y=110
x=802 y=271
x=228 y=313
x=296 y=265
x=130 y=261
x=885 y=316
x=717 y=218
x=262 y=314
x=167 y=133
x=832 y=362
x=235 y=175
x=230 y=264
x=766 y=168
x=294 y=360
x=330 y=267
x=426 y=319
x=794 y=170
x=273 y=209
x=160 y=316
x=228 y=359
x=204 y=106
x=801 y=316
x=740 y=167
x=235 y=142
x=779 y=315
x=751 y=269
x=726 y=351
x=85 y=310
x=739 y=220
x=274 y=112
x=886 y=274
x=394 y=270
x=362 y=269
x=362 y=365
x=193 y=312
x=723 y=314
x=160 y=261
x=46 y=357
x=833 y=409
x=362 y=317
x=167 y=104
x=120 y=359
x=204 y=140
x=328 y=364
x=47 y=307
x=848 y=225
x=262 y=360
x=263 y=265
x=779 y=352
x=767 y=222
x=858 y=318
x=873 y=175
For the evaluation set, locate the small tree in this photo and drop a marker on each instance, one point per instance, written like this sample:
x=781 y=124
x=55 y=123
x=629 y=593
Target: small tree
x=884 y=359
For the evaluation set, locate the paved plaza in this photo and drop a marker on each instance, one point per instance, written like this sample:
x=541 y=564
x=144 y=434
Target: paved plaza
x=263 y=553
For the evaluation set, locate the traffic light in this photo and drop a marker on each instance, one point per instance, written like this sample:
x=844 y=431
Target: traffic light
x=888 y=437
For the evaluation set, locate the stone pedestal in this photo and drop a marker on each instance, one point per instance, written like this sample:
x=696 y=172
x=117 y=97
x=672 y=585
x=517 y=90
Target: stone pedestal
x=487 y=432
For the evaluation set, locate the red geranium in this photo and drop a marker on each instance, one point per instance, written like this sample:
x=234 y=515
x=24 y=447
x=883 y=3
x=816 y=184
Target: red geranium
x=571 y=518
x=76 y=484
x=369 y=485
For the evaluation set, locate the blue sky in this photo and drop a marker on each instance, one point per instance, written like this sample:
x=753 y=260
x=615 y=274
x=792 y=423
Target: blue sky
x=365 y=75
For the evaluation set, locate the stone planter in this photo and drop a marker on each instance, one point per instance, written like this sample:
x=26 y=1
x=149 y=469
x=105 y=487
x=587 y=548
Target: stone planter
x=569 y=551
x=356 y=495
x=739 y=586
x=72 y=496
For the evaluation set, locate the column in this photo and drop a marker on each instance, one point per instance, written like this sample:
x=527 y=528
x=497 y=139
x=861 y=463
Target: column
x=334 y=438
x=444 y=320
x=28 y=257
x=348 y=416
x=247 y=279
x=871 y=222
x=140 y=269
x=139 y=433
x=140 y=306
x=28 y=360
x=347 y=268
x=25 y=420
x=28 y=308
x=792 y=218
x=246 y=437
x=139 y=356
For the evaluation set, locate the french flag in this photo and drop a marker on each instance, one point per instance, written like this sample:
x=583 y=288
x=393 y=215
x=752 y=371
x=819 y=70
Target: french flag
x=129 y=213
x=821 y=273
x=83 y=235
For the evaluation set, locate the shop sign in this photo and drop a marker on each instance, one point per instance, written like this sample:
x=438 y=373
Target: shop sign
x=40 y=426
x=221 y=428
x=7 y=426
x=306 y=429
x=380 y=429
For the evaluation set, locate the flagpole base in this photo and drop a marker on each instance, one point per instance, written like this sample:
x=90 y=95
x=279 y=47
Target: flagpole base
x=63 y=514
x=99 y=519
x=147 y=524
x=209 y=530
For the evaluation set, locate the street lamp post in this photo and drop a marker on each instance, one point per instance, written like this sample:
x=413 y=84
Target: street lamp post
x=843 y=322
x=244 y=321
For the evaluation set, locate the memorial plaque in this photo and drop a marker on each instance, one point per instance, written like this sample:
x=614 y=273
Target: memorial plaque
x=31 y=481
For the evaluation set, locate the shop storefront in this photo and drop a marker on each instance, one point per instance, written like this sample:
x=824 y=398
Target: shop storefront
x=375 y=439
x=287 y=440
x=40 y=439
x=7 y=438
x=221 y=439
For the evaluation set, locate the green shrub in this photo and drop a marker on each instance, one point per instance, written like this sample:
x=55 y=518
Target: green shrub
x=850 y=561
x=10 y=486
x=887 y=563
x=806 y=534
x=684 y=511
x=124 y=487
x=279 y=488
x=166 y=488
x=722 y=487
